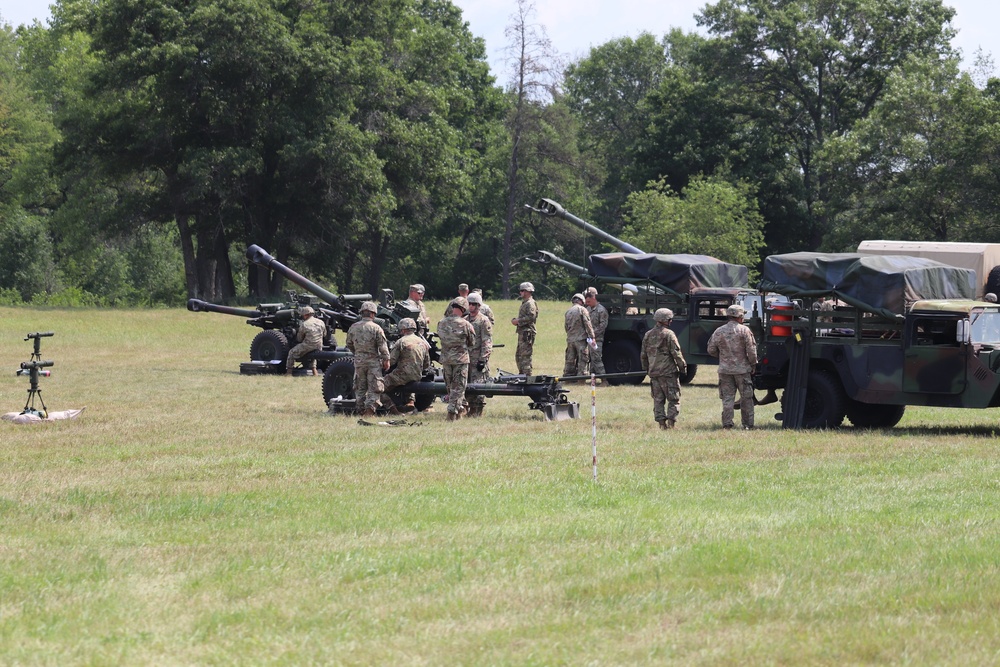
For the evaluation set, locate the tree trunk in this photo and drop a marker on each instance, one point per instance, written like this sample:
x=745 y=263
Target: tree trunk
x=187 y=250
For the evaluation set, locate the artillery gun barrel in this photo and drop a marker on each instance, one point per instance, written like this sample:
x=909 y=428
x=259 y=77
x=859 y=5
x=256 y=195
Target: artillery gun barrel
x=552 y=209
x=199 y=306
x=263 y=258
x=544 y=257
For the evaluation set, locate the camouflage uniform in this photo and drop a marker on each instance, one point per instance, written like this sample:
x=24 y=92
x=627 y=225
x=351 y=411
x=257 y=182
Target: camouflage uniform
x=367 y=341
x=662 y=359
x=578 y=330
x=599 y=319
x=311 y=333
x=410 y=356
x=733 y=343
x=480 y=352
x=423 y=321
x=457 y=337
x=526 y=318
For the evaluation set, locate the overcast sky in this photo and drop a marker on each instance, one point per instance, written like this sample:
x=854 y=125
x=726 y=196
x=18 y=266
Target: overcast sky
x=576 y=25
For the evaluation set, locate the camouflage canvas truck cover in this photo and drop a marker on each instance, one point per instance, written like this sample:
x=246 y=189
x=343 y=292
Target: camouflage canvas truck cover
x=697 y=288
x=902 y=331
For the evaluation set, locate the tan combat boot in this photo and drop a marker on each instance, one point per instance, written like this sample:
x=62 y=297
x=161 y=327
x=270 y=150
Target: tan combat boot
x=369 y=412
x=663 y=425
x=393 y=410
x=669 y=424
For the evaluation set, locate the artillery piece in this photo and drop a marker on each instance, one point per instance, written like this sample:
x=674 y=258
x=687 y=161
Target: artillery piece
x=697 y=288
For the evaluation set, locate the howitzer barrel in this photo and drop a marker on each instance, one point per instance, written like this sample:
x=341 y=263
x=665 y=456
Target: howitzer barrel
x=544 y=257
x=199 y=306
x=553 y=209
x=261 y=257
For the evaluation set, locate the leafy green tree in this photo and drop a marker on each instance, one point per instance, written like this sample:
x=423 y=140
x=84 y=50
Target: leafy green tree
x=710 y=217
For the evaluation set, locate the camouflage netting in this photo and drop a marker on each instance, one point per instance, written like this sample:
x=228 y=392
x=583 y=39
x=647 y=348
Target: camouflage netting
x=887 y=285
x=680 y=273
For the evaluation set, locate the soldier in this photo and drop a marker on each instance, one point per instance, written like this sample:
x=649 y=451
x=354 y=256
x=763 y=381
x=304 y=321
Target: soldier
x=630 y=308
x=463 y=291
x=579 y=338
x=485 y=308
x=734 y=345
x=416 y=298
x=410 y=359
x=310 y=335
x=525 y=323
x=662 y=359
x=371 y=356
x=599 y=319
x=479 y=355
x=457 y=337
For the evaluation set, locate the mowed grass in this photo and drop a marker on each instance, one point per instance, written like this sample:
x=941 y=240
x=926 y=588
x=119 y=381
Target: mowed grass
x=192 y=515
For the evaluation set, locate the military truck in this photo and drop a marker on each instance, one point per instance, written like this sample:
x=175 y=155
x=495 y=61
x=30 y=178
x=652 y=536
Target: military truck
x=698 y=288
x=901 y=331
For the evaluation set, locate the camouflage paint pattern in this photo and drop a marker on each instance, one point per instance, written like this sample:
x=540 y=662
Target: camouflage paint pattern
x=311 y=333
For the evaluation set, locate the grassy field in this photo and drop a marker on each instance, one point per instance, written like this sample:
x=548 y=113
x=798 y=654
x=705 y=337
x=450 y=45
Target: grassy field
x=192 y=515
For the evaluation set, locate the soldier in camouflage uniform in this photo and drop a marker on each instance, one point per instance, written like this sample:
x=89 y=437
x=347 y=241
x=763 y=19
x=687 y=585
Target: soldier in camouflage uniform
x=310 y=335
x=733 y=343
x=662 y=359
x=416 y=299
x=485 y=308
x=525 y=323
x=599 y=319
x=371 y=356
x=579 y=338
x=457 y=337
x=463 y=291
x=410 y=359
x=479 y=355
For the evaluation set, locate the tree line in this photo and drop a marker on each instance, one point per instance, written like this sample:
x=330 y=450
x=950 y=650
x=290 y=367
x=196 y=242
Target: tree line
x=145 y=143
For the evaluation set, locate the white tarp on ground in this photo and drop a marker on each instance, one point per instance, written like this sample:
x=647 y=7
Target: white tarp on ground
x=19 y=418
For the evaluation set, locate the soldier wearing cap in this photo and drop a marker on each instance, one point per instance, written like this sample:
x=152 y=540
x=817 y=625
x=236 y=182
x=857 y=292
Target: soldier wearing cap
x=599 y=319
x=485 y=308
x=409 y=360
x=367 y=341
x=463 y=291
x=416 y=299
x=457 y=337
x=663 y=360
x=479 y=355
x=579 y=338
x=733 y=343
x=525 y=323
x=310 y=335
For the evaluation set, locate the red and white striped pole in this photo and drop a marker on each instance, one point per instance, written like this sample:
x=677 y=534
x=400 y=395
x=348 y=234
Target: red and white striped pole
x=593 y=419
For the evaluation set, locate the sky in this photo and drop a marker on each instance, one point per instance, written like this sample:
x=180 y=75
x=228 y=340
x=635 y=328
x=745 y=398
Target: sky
x=574 y=26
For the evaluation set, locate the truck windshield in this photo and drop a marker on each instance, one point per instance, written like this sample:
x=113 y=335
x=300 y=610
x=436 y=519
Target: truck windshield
x=986 y=327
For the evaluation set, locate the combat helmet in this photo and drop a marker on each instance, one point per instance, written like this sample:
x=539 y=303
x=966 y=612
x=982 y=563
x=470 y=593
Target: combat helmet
x=735 y=311
x=663 y=315
x=459 y=302
x=577 y=297
x=474 y=298
x=369 y=307
x=526 y=287
x=407 y=323
x=306 y=310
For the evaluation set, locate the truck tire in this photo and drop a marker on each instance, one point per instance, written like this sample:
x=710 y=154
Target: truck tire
x=688 y=377
x=338 y=380
x=825 y=401
x=622 y=356
x=993 y=281
x=269 y=345
x=870 y=415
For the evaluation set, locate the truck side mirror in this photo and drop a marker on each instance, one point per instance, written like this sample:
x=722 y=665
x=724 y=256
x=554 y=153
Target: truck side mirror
x=964 y=331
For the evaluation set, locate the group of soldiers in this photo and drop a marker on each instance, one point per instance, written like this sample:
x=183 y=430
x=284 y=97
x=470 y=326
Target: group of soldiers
x=465 y=335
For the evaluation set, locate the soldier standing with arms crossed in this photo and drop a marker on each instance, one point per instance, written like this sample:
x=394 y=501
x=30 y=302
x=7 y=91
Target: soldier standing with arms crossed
x=371 y=356
x=479 y=355
x=525 y=323
x=410 y=357
x=733 y=343
x=457 y=337
x=599 y=319
x=579 y=338
x=662 y=359
x=311 y=333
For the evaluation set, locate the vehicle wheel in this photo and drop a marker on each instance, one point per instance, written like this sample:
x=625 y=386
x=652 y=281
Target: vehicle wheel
x=825 y=401
x=622 y=356
x=420 y=401
x=993 y=281
x=338 y=380
x=688 y=377
x=269 y=345
x=870 y=415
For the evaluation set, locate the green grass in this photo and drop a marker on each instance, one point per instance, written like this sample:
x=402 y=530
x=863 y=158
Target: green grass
x=196 y=516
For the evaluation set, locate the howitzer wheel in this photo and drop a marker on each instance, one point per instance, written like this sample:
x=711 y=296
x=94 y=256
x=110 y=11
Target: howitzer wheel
x=338 y=380
x=622 y=356
x=688 y=378
x=871 y=415
x=420 y=401
x=269 y=345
